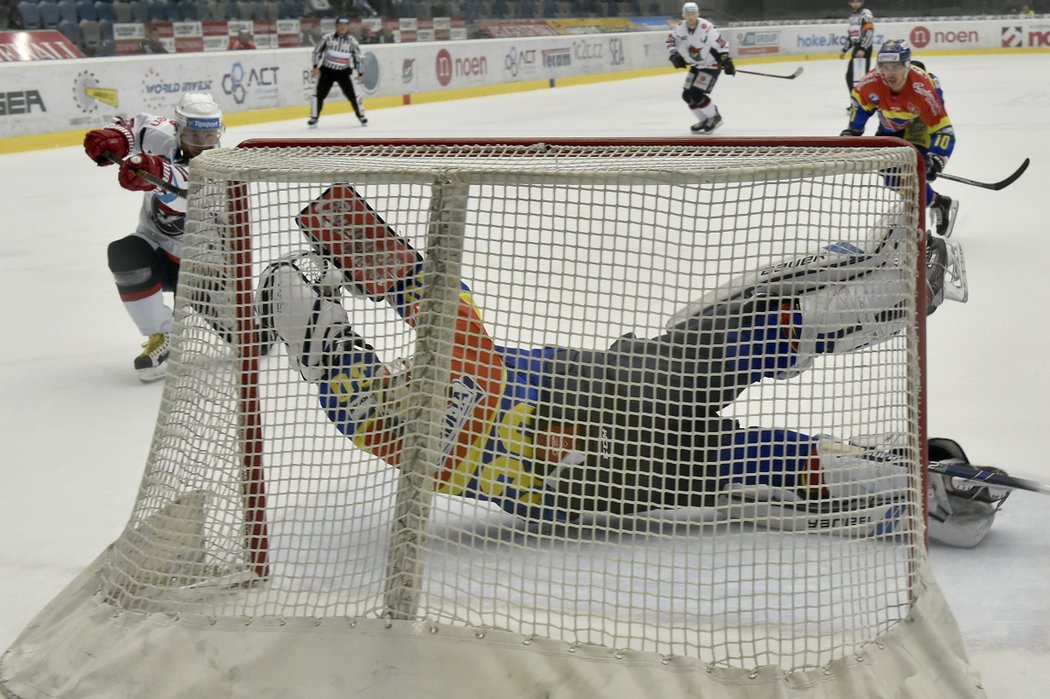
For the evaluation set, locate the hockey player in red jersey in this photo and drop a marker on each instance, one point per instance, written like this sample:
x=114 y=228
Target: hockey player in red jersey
x=910 y=105
x=150 y=150
x=696 y=44
x=552 y=433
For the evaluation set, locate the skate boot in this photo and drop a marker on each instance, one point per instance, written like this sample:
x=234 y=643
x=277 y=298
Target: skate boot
x=363 y=119
x=311 y=123
x=961 y=510
x=945 y=272
x=299 y=300
x=151 y=364
x=943 y=210
x=708 y=125
x=846 y=490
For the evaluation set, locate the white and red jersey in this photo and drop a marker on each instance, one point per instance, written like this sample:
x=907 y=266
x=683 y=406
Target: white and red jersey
x=163 y=215
x=701 y=46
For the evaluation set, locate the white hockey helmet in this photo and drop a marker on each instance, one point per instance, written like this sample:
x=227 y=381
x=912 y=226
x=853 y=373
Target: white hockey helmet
x=690 y=8
x=198 y=121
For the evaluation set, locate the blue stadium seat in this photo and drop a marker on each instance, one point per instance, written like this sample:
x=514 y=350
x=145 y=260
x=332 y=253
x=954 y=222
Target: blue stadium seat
x=49 y=14
x=69 y=30
x=104 y=10
x=108 y=48
x=67 y=10
x=156 y=11
x=289 y=10
x=86 y=10
x=30 y=13
x=105 y=29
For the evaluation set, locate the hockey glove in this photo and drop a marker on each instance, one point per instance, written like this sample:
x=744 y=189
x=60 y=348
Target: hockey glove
x=135 y=172
x=677 y=60
x=934 y=166
x=851 y=132
x=727 y=65
x=115 y=141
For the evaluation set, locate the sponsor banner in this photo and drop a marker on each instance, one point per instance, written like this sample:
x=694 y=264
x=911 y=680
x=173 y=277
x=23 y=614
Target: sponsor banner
x=510 y=28
x=44 y=45
x=754 y=42
x=41 y=96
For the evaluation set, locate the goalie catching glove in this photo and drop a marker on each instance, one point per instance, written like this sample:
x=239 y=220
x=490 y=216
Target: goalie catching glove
x=112 y=141
x=135 y=172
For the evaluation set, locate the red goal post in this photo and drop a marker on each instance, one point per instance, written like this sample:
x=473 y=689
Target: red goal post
x=276 y=533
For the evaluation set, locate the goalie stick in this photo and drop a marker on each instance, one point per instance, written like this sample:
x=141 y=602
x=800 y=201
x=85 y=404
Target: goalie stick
x=995 y=186
x=151 y=178
x=798 y=72
x=970 y=472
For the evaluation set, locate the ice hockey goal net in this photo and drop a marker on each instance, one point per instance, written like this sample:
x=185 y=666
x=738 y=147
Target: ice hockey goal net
x=291 y=538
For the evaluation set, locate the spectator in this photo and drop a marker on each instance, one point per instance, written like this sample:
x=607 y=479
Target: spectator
x=242 y=41
x=152 y=42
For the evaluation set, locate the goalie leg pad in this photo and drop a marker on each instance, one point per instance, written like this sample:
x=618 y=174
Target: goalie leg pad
x=298 y=299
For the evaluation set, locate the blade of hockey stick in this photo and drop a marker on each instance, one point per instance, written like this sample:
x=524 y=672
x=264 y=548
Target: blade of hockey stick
x=971 y=472
x=798 y=72
x=989 y=185
x=153 y=179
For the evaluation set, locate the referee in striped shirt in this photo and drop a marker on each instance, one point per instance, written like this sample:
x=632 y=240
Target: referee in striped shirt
x=336 y=58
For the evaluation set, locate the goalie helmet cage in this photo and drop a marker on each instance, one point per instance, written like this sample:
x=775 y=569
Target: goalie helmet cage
x=269 y=554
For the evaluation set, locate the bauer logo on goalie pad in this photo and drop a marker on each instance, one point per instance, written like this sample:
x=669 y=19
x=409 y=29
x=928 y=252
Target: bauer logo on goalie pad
x=358 y=239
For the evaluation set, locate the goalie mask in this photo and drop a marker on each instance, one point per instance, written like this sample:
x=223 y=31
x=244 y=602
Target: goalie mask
x=198 y=123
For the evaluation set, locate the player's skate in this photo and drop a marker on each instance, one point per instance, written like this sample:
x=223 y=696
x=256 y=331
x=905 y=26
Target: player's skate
x=311 y=123
x=299 y=299
x=961 y=511
x=708 y=125
x=847 y=489
x=151 y=364
x=943 y=211
x=363 y=119
x=945 y=272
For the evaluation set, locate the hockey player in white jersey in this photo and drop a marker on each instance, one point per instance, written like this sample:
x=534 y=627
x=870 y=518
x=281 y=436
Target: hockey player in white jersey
x=697 y=44
x=860 y=37
x=154 y=151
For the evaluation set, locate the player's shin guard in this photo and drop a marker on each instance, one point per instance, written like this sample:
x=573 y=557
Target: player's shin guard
x=299 y=300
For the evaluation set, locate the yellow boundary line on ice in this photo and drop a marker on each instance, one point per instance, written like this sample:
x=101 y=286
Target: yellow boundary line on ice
x=61 y=139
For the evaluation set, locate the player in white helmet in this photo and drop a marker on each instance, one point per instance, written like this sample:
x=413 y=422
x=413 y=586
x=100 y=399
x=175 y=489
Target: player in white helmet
x=153 y=153
x=696 y=44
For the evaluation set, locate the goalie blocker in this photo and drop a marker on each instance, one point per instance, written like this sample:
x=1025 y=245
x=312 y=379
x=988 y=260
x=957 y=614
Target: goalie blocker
x=557 y=434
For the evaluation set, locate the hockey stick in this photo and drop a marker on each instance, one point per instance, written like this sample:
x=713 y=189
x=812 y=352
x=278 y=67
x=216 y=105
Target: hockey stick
x=958 y=469
x=989 y=185
x=153 y=179
x=798 y=72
